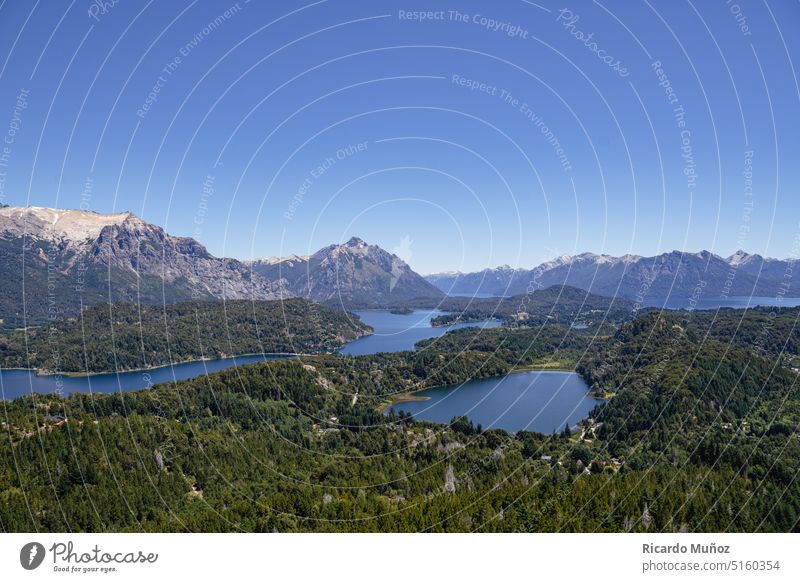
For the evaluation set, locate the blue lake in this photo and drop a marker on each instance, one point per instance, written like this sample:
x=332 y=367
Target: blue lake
x=392 y=333
x=396 y=333
x=533 y=401
x=15 y=383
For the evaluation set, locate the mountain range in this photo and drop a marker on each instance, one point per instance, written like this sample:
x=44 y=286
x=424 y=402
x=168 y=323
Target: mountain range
x=669 y=277
x=55 y=263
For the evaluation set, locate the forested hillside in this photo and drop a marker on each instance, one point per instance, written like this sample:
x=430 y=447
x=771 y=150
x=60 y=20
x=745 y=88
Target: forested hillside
x=769 y=331
x=692 y=438
x=125 y=336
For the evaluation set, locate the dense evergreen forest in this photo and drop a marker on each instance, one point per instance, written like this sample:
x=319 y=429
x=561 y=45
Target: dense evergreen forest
x=557 y=304
x=126 y=336
x=768 y=331
x=698 y=433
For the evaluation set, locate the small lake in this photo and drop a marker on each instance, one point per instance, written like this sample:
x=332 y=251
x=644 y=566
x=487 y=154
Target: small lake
x=533 y=401
x=15 y=383
x=399 y=332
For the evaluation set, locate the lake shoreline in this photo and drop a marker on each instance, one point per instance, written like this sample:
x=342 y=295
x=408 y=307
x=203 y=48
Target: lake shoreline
x=404 y=397
x=389 y=333
x=466 y=321
x=43 y=372
x=413 y=396
x=543 y=368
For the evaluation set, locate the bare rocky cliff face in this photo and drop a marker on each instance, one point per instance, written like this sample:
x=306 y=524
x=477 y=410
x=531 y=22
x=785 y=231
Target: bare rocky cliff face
x=144 y=248
x=58 y=261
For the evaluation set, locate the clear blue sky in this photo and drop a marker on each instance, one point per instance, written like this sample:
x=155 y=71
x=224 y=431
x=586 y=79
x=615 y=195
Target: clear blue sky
x=240 y=124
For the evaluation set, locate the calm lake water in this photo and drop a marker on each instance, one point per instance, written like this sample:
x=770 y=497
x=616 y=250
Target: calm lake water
x=392 y=333
x=534 y=401
x=395 y=333
x=15 y=383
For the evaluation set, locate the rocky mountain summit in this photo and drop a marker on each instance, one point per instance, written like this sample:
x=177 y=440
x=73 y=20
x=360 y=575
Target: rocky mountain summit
x=55 y=262
x=63 y=226
x=353 y=274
